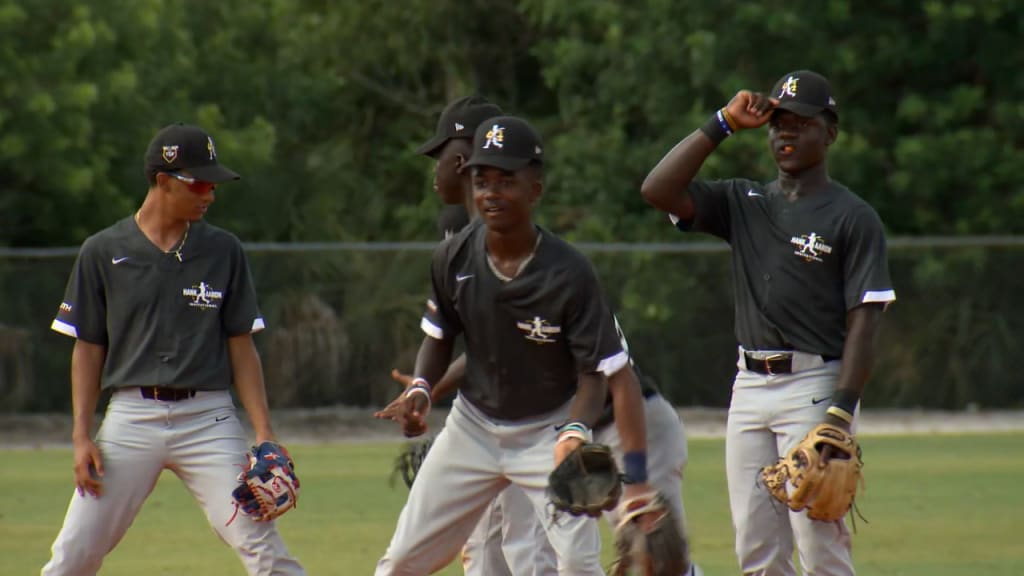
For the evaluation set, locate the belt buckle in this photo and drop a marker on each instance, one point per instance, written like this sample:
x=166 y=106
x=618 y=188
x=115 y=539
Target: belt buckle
x=768 y=362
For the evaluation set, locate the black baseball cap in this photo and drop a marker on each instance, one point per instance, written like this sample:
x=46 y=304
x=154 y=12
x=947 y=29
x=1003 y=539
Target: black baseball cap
x=186 y=147
x=459 y=120
x=506 y=142
x=805 y=93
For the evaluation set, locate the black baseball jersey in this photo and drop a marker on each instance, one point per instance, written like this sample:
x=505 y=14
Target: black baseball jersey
x=527 y=340
x=163 y=322
x=799 y=266
x=451 y=219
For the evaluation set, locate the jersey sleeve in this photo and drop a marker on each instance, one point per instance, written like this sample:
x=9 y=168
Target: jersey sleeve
x=590 y=327
x=440 y=320
x=711 y=208
x=83 y=313
x=866 y=262
x=241 y=311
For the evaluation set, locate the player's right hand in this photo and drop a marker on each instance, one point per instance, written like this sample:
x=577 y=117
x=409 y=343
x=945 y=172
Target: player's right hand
x=88 y=467
x=412 y=414
x=750 y=109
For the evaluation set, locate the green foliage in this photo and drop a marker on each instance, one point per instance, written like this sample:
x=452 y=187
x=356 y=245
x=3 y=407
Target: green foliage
x=320 y=104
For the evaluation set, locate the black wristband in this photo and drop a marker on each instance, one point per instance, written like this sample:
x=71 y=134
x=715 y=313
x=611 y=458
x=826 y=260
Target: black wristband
x=846 y=399
x=716 y=128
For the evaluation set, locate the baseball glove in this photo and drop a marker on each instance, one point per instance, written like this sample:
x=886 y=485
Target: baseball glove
x=827 y=492
x=408 y=463
x=648 y=541
x=586 y=482
x=269 y=487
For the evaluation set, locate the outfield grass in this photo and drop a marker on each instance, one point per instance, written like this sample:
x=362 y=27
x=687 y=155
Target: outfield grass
x=937 y=506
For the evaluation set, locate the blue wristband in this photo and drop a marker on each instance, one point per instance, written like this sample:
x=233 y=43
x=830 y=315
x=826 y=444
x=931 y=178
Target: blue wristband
x=635 y=464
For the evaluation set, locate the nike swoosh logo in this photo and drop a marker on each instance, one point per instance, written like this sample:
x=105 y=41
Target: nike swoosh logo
x=751 y=193
x=116 y=261
x=461 y=277
x=817 y=401
x=221 y=418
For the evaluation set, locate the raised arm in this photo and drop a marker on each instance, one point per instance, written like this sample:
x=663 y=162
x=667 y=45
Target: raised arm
x=666 y=185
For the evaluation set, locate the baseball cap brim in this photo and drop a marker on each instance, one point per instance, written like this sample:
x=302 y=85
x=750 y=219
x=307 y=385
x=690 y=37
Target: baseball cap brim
x=801 y=109
x=507 y=163
x=431 y=147
x=213 y=173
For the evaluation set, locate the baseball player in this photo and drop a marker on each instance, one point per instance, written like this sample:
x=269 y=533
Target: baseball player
x=500 y=539
x=539 y=343
x=509 y=540
x=162 y=309
x=811 y=282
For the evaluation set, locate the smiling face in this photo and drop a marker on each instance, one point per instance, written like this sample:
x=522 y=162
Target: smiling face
x=505 y=199
x=799 y=142
x=188 y=198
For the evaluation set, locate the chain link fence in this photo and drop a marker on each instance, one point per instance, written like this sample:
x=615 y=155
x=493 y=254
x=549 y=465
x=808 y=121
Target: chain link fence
x=341 y=315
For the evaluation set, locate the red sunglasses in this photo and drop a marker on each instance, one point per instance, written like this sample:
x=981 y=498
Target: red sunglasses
x=194 y=185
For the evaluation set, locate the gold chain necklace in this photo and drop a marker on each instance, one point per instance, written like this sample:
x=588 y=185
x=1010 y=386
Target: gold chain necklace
x=175 y=251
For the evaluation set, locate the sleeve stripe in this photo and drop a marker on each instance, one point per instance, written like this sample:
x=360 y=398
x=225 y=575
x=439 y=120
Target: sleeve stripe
x=257 y=325
x=674 y=219
x=613 y=364
x=431 y=329
x=878 y=296
x=64 y=328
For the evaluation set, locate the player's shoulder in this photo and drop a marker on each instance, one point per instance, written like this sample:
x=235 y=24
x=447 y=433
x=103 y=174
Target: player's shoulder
x=111 y=236
x=451 y=219
x=855 y=207
x=562 y=251
x=736 y=186
x=563 y=264
x=215 y=238
x=458 y=245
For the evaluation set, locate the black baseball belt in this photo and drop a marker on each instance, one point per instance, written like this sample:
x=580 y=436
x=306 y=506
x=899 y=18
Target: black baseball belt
x=772 y=363
x=165 y=394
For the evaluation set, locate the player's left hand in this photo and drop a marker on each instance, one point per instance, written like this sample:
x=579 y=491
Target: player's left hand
x=412 y=413
x=828 y=451
x=390 y=412
x=564 y=448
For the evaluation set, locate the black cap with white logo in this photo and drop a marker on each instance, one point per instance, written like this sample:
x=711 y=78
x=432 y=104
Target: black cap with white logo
x=805 y=93
x=506 y=142
x=459 y=120
x=182 y=147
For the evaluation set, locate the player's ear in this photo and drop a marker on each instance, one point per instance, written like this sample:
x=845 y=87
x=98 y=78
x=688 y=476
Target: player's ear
x=536 y=190
x=460 y=164
x=831 y=129
x=163 y=180
x=832 y=134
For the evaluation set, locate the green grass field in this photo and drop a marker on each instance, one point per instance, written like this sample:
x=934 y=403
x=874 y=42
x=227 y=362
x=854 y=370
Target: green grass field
x=937 y=506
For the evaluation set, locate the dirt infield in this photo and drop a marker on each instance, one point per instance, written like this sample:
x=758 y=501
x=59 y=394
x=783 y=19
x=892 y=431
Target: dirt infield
x=347 y=424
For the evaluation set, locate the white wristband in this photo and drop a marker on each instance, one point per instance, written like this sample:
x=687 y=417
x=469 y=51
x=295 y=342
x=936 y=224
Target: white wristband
x=571 y=434
x=419 y=386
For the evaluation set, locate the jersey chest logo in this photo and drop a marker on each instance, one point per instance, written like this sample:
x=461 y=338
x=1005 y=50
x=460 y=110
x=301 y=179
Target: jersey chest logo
x=810 y=247
x=539 y=330
x=203 y=296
